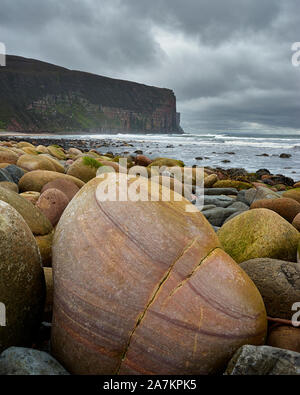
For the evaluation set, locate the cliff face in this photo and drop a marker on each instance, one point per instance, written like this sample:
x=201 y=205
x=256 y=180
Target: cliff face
x=37 y=96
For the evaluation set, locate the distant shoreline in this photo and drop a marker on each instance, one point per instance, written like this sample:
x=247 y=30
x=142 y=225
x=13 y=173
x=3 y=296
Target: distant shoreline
x=223 y=152
x=37 y=134
x=25 y=134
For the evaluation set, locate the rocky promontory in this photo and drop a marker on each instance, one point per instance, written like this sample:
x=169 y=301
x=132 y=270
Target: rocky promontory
x=40 y=97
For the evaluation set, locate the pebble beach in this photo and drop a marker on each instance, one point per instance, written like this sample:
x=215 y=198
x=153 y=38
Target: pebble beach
x=130 y=287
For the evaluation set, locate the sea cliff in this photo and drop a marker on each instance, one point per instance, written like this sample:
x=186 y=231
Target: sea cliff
x=40 y=97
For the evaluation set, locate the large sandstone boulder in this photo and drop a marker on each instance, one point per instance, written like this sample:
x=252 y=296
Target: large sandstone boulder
x=41 y=149
x=58 y=166
x=84 y=168
x=210 y=180
x=286 y=208
x=22 y=283
x=9 y=185
x=23 y=144
x=144 y=287
x=30 y=151
x=278 y=283
x=8 y=156
x=35 y=180
x=69 y=188
x=142 y=160
x=57 y=152
x=159 y=162
x=35 y=162
x=116 y=166
x=52 y=203
x=259 y=233
x=296 y=222
x=292 y=194
x=35 y=219
x=74 y=151
x=17 y=151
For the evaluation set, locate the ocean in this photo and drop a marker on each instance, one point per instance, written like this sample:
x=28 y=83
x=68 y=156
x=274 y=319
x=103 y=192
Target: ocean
x=240 y=149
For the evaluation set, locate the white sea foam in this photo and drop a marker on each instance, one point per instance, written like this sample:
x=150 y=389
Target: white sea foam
x=214 y=147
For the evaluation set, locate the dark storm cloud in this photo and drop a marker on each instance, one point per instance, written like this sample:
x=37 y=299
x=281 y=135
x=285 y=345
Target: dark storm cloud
x=228 y=61
x=211 y=20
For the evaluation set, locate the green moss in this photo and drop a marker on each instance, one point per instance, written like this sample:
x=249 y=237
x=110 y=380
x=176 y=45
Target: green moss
x=88 y=161
x=252 y=177
x=57 y=152
x=259 y=233
x=166 y=162
x=239 y=185
x=56 y=146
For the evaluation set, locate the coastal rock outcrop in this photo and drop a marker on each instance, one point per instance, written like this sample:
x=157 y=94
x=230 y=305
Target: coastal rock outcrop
x=53 y=98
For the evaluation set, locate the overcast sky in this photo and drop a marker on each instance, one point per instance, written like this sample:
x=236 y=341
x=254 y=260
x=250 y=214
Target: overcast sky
x=228 y=61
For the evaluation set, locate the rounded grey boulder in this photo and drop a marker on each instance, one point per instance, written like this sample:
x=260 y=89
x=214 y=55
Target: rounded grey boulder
x=278 y=282
x=263 y=360
x=27 y=361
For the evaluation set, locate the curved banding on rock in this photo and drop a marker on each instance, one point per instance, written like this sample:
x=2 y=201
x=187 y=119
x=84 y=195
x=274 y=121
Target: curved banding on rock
x=200 y=318
x=144 y=287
